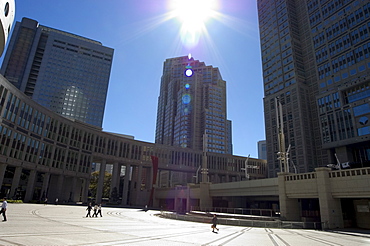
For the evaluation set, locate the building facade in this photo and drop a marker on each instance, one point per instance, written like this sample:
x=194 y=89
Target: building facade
x=64 y=72
x=262 y=154
x=192 y=107
x=316 y=65
x=43 y=154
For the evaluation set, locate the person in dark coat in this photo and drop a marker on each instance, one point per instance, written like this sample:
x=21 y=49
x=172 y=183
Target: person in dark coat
x=99 y=210
x=95 y=210
x=89 y=208
x=214 y=223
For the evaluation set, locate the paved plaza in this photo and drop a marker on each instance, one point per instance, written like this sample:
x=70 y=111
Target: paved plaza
x=36 y=224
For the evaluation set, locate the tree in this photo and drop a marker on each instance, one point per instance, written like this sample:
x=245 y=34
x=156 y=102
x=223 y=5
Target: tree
x=94 y=183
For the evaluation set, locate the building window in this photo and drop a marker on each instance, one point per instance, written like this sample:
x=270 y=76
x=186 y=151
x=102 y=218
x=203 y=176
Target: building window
x=363 y=131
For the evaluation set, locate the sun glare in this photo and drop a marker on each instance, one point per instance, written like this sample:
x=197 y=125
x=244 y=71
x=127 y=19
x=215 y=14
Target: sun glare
x=193 y=15
x=194 y=11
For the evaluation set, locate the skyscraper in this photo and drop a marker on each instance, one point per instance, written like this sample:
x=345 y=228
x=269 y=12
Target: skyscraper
x=192 y=107
x=262 y=149
x=316 y=65
x=64 y=72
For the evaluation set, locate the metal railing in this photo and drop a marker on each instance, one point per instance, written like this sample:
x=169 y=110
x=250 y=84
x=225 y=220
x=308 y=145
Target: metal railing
x=236 y=211
x=248 y=223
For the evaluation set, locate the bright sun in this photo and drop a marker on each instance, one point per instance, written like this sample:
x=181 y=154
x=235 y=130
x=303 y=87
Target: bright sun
x=193 y=14
x=194 y=11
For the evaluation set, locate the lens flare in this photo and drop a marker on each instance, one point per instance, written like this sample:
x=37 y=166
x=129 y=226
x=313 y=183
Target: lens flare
x=188 y=72
x=186 y=98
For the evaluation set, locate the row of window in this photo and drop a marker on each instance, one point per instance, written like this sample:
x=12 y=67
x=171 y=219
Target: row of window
x=328 y=103
x=345 y=61
x=337 y=126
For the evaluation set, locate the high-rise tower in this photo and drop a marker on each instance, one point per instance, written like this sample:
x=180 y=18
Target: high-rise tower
x=64 y=72
x=192 y=107
x=316 y=65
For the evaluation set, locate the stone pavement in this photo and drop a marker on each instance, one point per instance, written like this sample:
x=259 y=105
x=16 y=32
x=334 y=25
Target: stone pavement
x=36 y=224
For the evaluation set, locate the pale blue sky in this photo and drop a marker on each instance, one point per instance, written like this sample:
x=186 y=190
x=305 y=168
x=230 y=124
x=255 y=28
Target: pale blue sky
x=142 y=41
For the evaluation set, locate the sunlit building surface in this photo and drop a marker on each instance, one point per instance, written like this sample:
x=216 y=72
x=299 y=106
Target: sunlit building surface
x=192 y=107
x=315 y=57
x=64 y=72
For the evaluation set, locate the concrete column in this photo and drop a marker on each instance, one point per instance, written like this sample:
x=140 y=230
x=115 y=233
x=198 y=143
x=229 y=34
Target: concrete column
x=330 y=208
x=125 y=185
x=133 y=185
x=59 y=189
x=2 y=173
x=205 y=199
x=149 y=178
x=115 y=179
x=99 y=189
x=45 y=184
x=188 y=204
x=176 y=203
x=30 y=186
x=227 y=178
x=85 y=190
x=71 y=197
x=138 y=186
x=15 y=182
x=290 y=209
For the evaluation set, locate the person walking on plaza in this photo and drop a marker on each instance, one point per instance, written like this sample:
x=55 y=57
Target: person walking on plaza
x=4 y=207
x=99 y=210
x=89 y=208
x=214 y=223
x=95 y=210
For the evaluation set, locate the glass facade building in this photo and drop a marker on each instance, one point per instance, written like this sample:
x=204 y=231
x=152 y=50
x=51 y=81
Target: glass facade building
x=315 y=57
x=192 y=107
x=64 y=72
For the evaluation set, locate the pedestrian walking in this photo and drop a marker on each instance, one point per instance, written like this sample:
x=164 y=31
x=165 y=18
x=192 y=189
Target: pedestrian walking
x=45 y=201
x=214 y=223
x=95 y=210
x=88 y=209
x=99 y=210
x=4 y=207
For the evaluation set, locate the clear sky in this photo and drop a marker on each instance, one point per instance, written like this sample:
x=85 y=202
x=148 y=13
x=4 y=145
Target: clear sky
x=143 y=37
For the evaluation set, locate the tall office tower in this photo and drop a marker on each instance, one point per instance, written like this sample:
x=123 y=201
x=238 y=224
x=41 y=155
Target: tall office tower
x=192 y=107
x=316 y=67
x=262 y=149
x=64 y=72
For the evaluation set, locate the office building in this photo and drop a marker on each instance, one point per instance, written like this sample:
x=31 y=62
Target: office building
x=192 y=107
x=64 y=72
x=316 y=65
x=262 y=154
